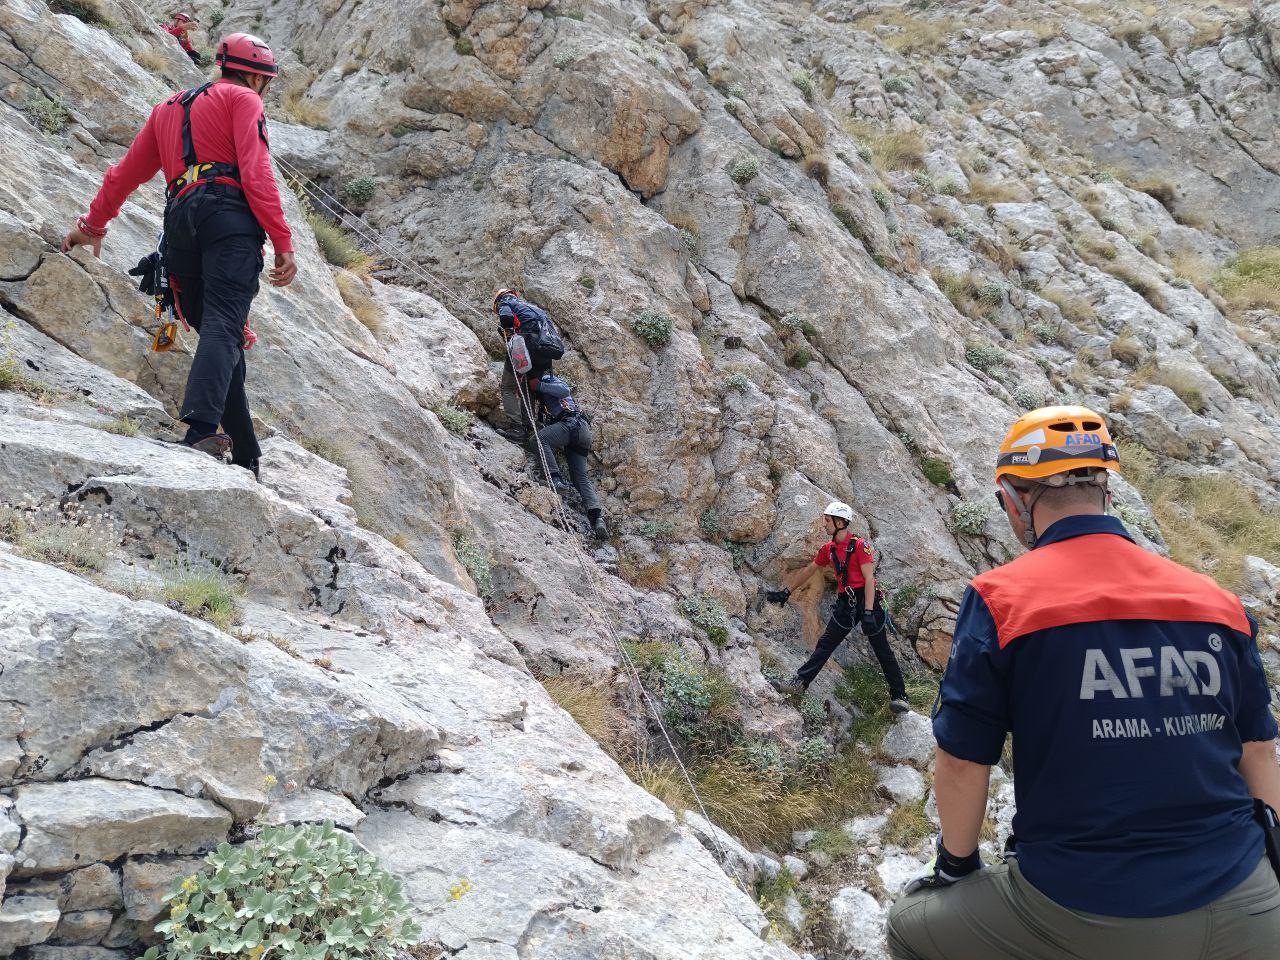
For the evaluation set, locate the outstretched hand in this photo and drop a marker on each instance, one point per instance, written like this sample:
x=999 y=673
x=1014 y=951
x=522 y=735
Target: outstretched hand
x=284 y=271
x=78 y=238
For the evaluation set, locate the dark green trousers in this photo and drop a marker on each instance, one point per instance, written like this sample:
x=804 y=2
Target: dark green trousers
x=998 y=915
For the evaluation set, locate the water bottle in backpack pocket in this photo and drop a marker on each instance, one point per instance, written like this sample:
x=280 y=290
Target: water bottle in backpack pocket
x=518 y=351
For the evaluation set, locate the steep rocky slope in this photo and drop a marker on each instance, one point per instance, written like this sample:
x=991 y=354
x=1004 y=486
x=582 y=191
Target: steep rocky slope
x=878 y=230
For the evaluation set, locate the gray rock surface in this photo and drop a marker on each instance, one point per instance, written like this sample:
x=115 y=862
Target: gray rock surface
x=858 y=922
x=910 y=738
x=26 y=920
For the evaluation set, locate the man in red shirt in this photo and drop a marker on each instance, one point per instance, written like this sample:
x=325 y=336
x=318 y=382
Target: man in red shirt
x=183 y=24
x=211 y=142
x=855 y=568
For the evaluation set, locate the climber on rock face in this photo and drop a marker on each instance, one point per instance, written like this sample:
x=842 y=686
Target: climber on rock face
x=856 y=599
x=222 y=200
x=541 y=347
x=1143 y=739
x=564 y=427
x=181 y=27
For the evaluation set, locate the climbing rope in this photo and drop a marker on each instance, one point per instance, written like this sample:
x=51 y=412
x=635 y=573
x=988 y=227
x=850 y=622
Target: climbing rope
x=596 y=605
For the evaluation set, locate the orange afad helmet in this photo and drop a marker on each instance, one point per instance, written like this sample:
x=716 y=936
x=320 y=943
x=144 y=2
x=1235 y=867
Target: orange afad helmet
x=1054 y=441
x=497 y=297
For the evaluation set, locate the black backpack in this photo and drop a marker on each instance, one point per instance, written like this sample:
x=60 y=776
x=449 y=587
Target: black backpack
x=539 y=333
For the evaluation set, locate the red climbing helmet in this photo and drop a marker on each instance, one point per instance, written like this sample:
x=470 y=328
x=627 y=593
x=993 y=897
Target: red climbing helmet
x=246 y=53
x=184 y=18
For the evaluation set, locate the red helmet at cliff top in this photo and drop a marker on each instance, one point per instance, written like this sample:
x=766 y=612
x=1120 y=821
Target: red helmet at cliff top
x=246 y=53
x=184 y=18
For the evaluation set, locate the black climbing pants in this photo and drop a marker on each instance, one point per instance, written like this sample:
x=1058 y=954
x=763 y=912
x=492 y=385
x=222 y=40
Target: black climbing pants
x=509 y=387
x=572 y=436
x=844 y=616
x=213 y=247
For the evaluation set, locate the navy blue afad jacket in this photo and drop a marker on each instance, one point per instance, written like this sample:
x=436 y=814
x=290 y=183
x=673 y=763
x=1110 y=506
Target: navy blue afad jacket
x=1129 y=684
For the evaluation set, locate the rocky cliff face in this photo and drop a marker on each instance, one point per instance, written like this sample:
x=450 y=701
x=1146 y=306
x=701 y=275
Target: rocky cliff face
x=877 y=231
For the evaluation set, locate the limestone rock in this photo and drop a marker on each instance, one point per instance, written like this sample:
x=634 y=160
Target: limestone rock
x=26 y=920
x=736 y=859
x=315 y=806
x=48 y=952
x=69 y=825
x=146 y=882
x=858 y=923
x=897 y=871
x=903 y=784
x=96 y=887
x=83 y=927
x=910 y=739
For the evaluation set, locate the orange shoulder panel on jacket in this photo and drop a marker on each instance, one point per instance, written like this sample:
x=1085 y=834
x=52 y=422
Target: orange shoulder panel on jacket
x=1100 y=576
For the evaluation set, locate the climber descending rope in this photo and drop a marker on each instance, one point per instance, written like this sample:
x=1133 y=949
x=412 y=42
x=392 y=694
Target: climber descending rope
x=596 y=604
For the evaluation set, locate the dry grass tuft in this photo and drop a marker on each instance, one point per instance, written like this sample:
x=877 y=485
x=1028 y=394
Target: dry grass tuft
x=1075 y=309
x=590 y=701
x=890 y=149
x=149 y=60
x=987 y=192
x=355 y=294
x=309 y=113
x=1251 y=280
x=1211 y=522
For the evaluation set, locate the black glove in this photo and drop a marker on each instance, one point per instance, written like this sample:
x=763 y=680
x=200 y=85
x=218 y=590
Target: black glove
x=148 y=269
x=946 y=869
x=194 y=56
x=872 y=621
x=779 y=597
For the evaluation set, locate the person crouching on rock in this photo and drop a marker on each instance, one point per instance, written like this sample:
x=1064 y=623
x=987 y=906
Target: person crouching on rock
x=222 y=201
x=565 y=428
x=183 y=24
x=857 y=599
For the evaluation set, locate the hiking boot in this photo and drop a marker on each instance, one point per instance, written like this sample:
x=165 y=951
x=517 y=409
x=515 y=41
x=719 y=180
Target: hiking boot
x=899 y=706
x=516 y=435
x=562 y=487
x=216 y=445
x=787 y=687
x=598 y=526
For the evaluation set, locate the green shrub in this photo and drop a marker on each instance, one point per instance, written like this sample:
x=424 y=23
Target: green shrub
x=984 y=356
x=688 y=240
x=744 y=169
x=923 y=180
x=650 y=658
x=865 y=153
x=90 y=11
x=66 y=545
x=991 y=293
x=297 y=891
x=969 y=517
x=463 y=47
x=654 y=327
x=1047 y=333
x=936 y=471
x=455 y=419
x=477 y=562
x=587 y=282
x=49 y=114
x=804 y=83
x=764 y=756
x=898 y=84
x=800 y=358
x=707 y=613
x=1028 y=396
x=360 y=190
x=697 y=704
x=656 y=529
x=736 y=381
x=563 y=58
x=710 y=522
x=201 y=590
x=950 y=187
x=813 y=712
x=848 y=219
x=123 y=426
x=814 y=752
x=881 y=196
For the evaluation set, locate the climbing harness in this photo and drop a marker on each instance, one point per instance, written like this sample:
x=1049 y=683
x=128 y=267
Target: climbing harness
x=596 y=605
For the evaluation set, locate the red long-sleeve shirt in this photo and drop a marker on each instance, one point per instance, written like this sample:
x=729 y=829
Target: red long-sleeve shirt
x=176 y=31
x=227 y=126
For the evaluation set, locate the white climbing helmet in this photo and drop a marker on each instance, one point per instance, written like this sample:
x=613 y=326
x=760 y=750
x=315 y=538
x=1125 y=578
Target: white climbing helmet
x=837 y=508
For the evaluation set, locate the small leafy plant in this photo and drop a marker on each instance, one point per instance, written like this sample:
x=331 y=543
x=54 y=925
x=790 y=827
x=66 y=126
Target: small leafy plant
x=709 y=614
x=654 y=327
x=304 y=892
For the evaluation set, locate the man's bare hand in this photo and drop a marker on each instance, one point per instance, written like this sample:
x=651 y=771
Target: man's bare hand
x=284 y=271
x=78 y=238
